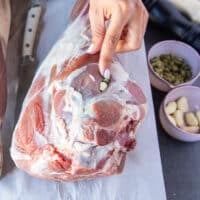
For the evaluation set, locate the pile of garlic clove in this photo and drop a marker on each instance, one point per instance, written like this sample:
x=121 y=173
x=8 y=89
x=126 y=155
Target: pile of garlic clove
x=179 y=115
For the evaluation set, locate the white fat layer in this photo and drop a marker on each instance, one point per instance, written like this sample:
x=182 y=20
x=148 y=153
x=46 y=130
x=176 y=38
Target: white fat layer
x=99 y=154
x=40 y=165
x=18 y=155
x=75 y=127
x=73 y=75
x=40 y=139
x=129 y=111
x=58 y=135
x=118 y=73
x=92 y=78
x=79 y=146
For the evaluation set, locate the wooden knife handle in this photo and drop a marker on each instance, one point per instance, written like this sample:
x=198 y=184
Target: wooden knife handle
x=5 y=19
x=31 y=29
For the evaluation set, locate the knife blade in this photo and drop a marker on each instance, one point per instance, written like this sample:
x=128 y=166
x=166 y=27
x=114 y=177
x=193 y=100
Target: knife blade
x=29 y=62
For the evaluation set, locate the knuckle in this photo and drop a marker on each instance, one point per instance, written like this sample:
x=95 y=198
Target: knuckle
x=93 y=11
x=135 y=46
x=105 y=58
x=92 y=3
x=140 y=6
x=125 y=7
x=99 y=31
x=146 y=14
x=129 y=7
x=112 y=40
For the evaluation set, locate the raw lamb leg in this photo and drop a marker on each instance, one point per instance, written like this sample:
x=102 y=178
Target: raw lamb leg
x=68 y=129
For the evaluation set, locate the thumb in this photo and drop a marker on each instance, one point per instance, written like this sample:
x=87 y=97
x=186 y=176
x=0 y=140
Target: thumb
x=98 y=30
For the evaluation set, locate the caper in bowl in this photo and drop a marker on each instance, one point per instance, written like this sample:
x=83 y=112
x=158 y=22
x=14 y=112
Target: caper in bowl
x=173 y=63
x=173 y=69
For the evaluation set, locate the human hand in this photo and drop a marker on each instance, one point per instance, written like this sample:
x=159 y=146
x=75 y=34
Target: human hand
x=127 y=25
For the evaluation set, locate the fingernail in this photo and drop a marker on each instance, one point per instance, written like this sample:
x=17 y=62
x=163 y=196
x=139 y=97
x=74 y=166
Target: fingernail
x=106 y=74
x=90 y=49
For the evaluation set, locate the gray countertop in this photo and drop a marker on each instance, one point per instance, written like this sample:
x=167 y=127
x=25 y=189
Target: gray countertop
x=180 y=161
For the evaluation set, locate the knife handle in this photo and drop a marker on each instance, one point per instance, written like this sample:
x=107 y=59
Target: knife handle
x=31 y=27
x=167 y=16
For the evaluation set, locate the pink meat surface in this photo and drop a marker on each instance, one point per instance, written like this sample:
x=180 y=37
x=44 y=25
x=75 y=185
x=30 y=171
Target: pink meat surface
x=69 y=130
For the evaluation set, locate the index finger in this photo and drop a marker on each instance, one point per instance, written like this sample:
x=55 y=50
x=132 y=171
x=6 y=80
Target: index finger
x=110 y=41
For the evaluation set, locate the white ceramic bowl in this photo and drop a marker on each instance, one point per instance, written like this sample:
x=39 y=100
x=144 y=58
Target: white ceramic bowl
x=192 y=93
x=179 y=49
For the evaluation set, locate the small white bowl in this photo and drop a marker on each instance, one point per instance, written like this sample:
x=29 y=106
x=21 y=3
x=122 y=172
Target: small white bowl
x=192 y=93
x=179 y=49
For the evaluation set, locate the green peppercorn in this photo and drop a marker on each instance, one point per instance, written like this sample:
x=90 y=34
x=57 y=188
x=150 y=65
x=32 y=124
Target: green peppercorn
x=171 y=68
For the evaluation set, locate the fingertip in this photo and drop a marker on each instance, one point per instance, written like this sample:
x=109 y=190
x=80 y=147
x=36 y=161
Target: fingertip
x=106 y=74
x=104 y=65
x=105 y=71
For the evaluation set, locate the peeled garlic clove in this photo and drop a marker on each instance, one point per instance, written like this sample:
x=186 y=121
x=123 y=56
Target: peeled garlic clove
x=198 y=116
x=172 y=120
x=103 y=86
x=171 y=107
x=182 y=104
x=190 y=119
x=191 y=129
x=178 y=116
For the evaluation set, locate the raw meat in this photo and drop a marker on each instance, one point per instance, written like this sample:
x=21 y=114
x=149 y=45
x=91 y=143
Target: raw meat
x=68 y=130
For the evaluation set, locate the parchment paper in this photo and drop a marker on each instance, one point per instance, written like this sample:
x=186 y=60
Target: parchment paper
x=142 y=177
